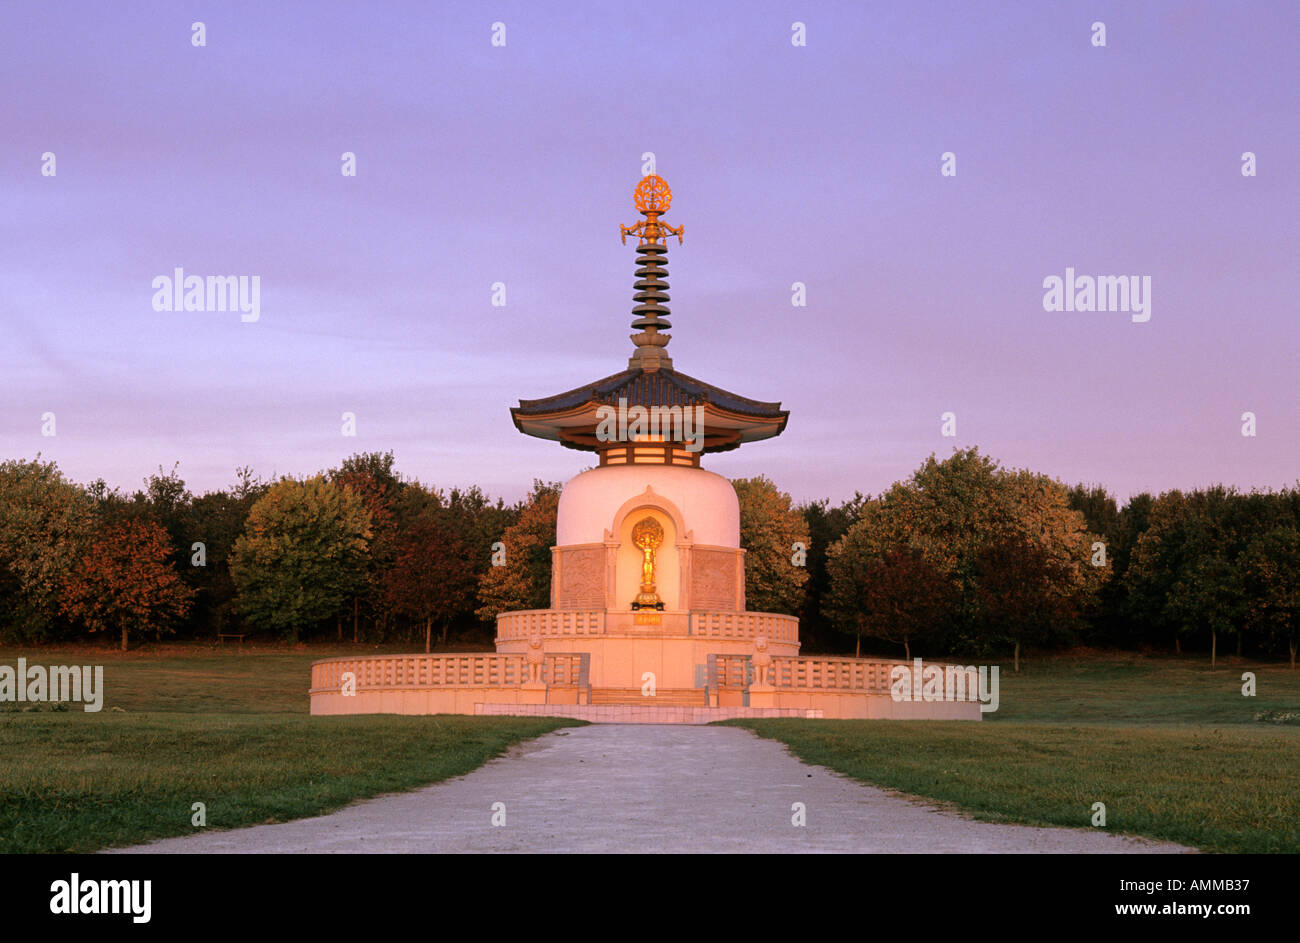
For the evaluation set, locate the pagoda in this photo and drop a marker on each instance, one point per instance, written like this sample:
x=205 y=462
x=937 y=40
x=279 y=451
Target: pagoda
x=649 y=537
x=647 y=619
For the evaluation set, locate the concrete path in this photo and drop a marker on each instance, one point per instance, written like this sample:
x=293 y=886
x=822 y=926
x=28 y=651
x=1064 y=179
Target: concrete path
x=612 y=788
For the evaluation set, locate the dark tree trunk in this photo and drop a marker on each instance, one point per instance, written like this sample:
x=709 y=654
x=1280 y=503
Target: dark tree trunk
x=1178 y=645
x=428 y=634
x=1214 y=648
x=339 y=622
x=444 y=635
x=1017 y=657
x=858 y=653
x=907 y=650
x=1293 y=654
x=354 y=620
x=124 y=640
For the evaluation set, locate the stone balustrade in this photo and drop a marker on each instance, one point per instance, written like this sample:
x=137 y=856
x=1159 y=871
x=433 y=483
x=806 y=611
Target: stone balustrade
x=566 y=670
x=496 y=670
x=584 y=623
x=488 y=670
x=421 y=671
x=825 y=686
x=831 y=674
x=774 y=626
x=731 y=672
x=549 y=623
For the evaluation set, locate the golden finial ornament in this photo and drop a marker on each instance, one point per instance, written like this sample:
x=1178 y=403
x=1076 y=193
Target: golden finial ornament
x=652 y=198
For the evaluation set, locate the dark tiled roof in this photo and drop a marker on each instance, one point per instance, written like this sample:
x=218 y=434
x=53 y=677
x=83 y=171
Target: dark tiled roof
x=661 y=388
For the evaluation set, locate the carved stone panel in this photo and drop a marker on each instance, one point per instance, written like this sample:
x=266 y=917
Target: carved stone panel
x=581 y=578
x=714 y=578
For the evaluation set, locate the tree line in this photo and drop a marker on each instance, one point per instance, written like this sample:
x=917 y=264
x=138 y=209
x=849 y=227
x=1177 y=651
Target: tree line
x=964 y=556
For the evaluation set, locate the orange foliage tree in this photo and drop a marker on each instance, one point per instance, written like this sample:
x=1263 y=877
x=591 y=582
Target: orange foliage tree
x=432 y=580
x=127 y=583
x=523 y=578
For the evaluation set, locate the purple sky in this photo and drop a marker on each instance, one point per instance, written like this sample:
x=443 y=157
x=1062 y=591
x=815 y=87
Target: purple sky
x=820 y=164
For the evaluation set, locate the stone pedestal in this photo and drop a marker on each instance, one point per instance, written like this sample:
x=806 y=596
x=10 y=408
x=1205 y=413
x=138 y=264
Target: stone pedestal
x=532 y=692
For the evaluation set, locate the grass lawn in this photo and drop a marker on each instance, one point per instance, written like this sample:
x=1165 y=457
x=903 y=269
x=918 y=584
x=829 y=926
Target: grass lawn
x=1172 y=748
x=183 y=724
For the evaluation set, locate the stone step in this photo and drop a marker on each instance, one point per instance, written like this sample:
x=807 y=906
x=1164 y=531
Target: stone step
x=663 y=697
x=638 y=714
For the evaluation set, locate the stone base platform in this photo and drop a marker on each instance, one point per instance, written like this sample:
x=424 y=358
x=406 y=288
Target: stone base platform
x=639 y=714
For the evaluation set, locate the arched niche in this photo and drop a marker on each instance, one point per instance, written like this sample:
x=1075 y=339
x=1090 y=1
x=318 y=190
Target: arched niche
x=671 y=559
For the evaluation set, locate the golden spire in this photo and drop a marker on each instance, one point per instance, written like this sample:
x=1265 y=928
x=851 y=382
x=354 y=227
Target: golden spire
x=652 y=199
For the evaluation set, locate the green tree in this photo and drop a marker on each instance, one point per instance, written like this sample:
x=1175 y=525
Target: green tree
x=895 y=595
x=45 y=530
x=769 y=529
x=479 y=522
x=1207 y=597
x=1184 y=576
x=1099 y=509
x=1157 y=557
x=1271 y=571
x=952 y=510
x=302 y=554
x=216 y=520
x=1024 y=593
x=826 y=525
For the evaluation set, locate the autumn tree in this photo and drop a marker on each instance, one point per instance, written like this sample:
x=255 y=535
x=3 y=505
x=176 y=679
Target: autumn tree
x=302 y=554
x=372 y=478
x=480 y=522
x=431 y=579
x=523 y=581
x=772 y=532
x=45 y=528
x=127 y=582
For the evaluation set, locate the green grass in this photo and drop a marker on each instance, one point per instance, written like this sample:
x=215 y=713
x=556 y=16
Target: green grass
x=1172 y=748
x=1107 y=688
x=182 y=725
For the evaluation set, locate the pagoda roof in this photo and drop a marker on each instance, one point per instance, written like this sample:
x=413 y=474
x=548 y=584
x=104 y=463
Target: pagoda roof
x=570 y=417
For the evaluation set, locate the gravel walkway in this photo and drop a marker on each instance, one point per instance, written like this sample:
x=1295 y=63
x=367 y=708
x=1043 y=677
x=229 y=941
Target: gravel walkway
x=612 y=788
